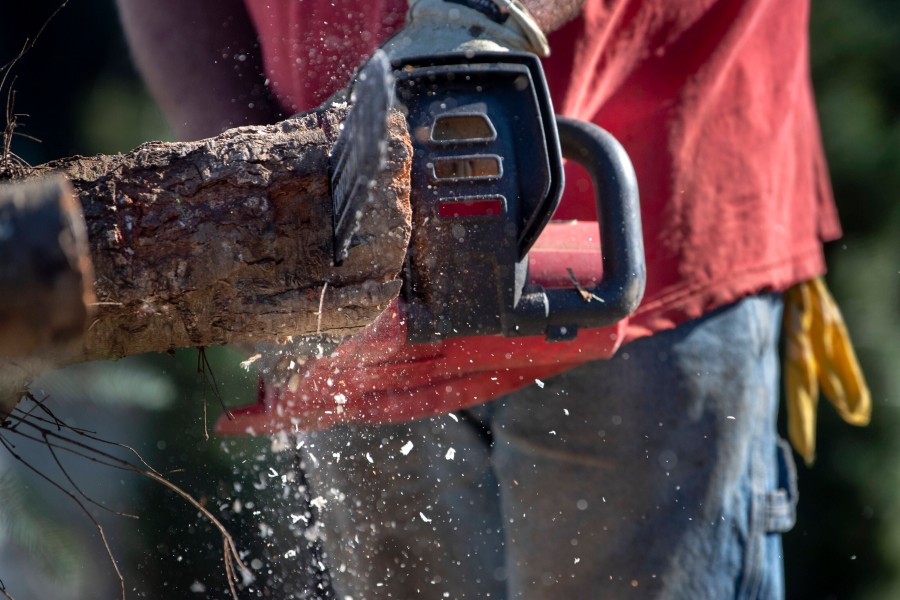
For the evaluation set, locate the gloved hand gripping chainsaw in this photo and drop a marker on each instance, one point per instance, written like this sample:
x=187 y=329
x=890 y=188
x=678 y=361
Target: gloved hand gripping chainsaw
x=495 y=295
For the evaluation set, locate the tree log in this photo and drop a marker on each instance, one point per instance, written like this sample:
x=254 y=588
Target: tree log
x=229 y=239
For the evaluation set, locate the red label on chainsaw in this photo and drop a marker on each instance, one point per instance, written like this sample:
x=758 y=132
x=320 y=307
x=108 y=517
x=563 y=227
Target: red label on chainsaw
x=471 y=207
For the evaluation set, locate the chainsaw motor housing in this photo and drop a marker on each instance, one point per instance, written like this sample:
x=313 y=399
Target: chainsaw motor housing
x=487 y=176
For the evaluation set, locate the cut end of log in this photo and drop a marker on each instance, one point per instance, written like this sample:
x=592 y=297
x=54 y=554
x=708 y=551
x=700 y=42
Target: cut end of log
x=46 y=280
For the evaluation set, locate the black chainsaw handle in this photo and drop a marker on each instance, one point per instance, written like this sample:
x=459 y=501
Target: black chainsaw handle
x=620 y=291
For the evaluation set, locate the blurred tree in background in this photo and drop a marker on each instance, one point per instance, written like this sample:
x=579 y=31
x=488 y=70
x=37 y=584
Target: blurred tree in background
x=847 y=540
x=81 y=96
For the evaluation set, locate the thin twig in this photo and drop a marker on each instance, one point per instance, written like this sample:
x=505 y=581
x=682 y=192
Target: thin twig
x=230 y=547
x=65 y=473
x=10 y=163
x=203 y=367
x=12 y=416
x=41 y=405
x=47 y=437
x=74 y=499
x=586 y=295
x=25 y=135
x=92 y=435
x=53 y=420
x=205 y=420
x=59 y=446
x=321 y=304
x=29 y=44
x=5 y=593
x=230 y=575
x=201 y=356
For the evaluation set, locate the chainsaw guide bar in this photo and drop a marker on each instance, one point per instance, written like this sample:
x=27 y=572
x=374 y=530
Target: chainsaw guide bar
x=360 y=151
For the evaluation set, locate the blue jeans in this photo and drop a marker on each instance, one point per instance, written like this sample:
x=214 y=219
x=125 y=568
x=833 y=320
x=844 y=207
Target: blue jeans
x=656 y=474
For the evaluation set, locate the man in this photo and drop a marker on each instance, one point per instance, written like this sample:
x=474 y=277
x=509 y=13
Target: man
x=658 y=473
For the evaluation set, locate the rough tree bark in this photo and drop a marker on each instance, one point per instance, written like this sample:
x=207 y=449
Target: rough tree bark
x=228 y=240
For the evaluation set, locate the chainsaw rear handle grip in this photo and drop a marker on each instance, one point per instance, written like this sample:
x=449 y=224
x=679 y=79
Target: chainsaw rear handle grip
x=620 y=291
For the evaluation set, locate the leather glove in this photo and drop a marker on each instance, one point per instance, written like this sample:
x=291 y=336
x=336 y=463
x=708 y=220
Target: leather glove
x=819 y=354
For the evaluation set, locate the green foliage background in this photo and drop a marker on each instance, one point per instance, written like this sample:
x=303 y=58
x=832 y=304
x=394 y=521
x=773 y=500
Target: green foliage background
x=82 y=96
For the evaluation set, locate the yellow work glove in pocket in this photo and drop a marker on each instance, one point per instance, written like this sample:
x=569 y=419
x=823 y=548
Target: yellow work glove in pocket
x=819 y=355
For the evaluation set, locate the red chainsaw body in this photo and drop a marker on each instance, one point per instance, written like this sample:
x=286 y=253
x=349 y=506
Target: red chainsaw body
x=377 y=377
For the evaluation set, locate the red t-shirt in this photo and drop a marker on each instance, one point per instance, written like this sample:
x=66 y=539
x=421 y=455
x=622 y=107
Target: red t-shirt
x=711 y=98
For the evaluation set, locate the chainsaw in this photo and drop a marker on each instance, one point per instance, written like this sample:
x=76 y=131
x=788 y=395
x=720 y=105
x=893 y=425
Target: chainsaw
x=495 y=294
